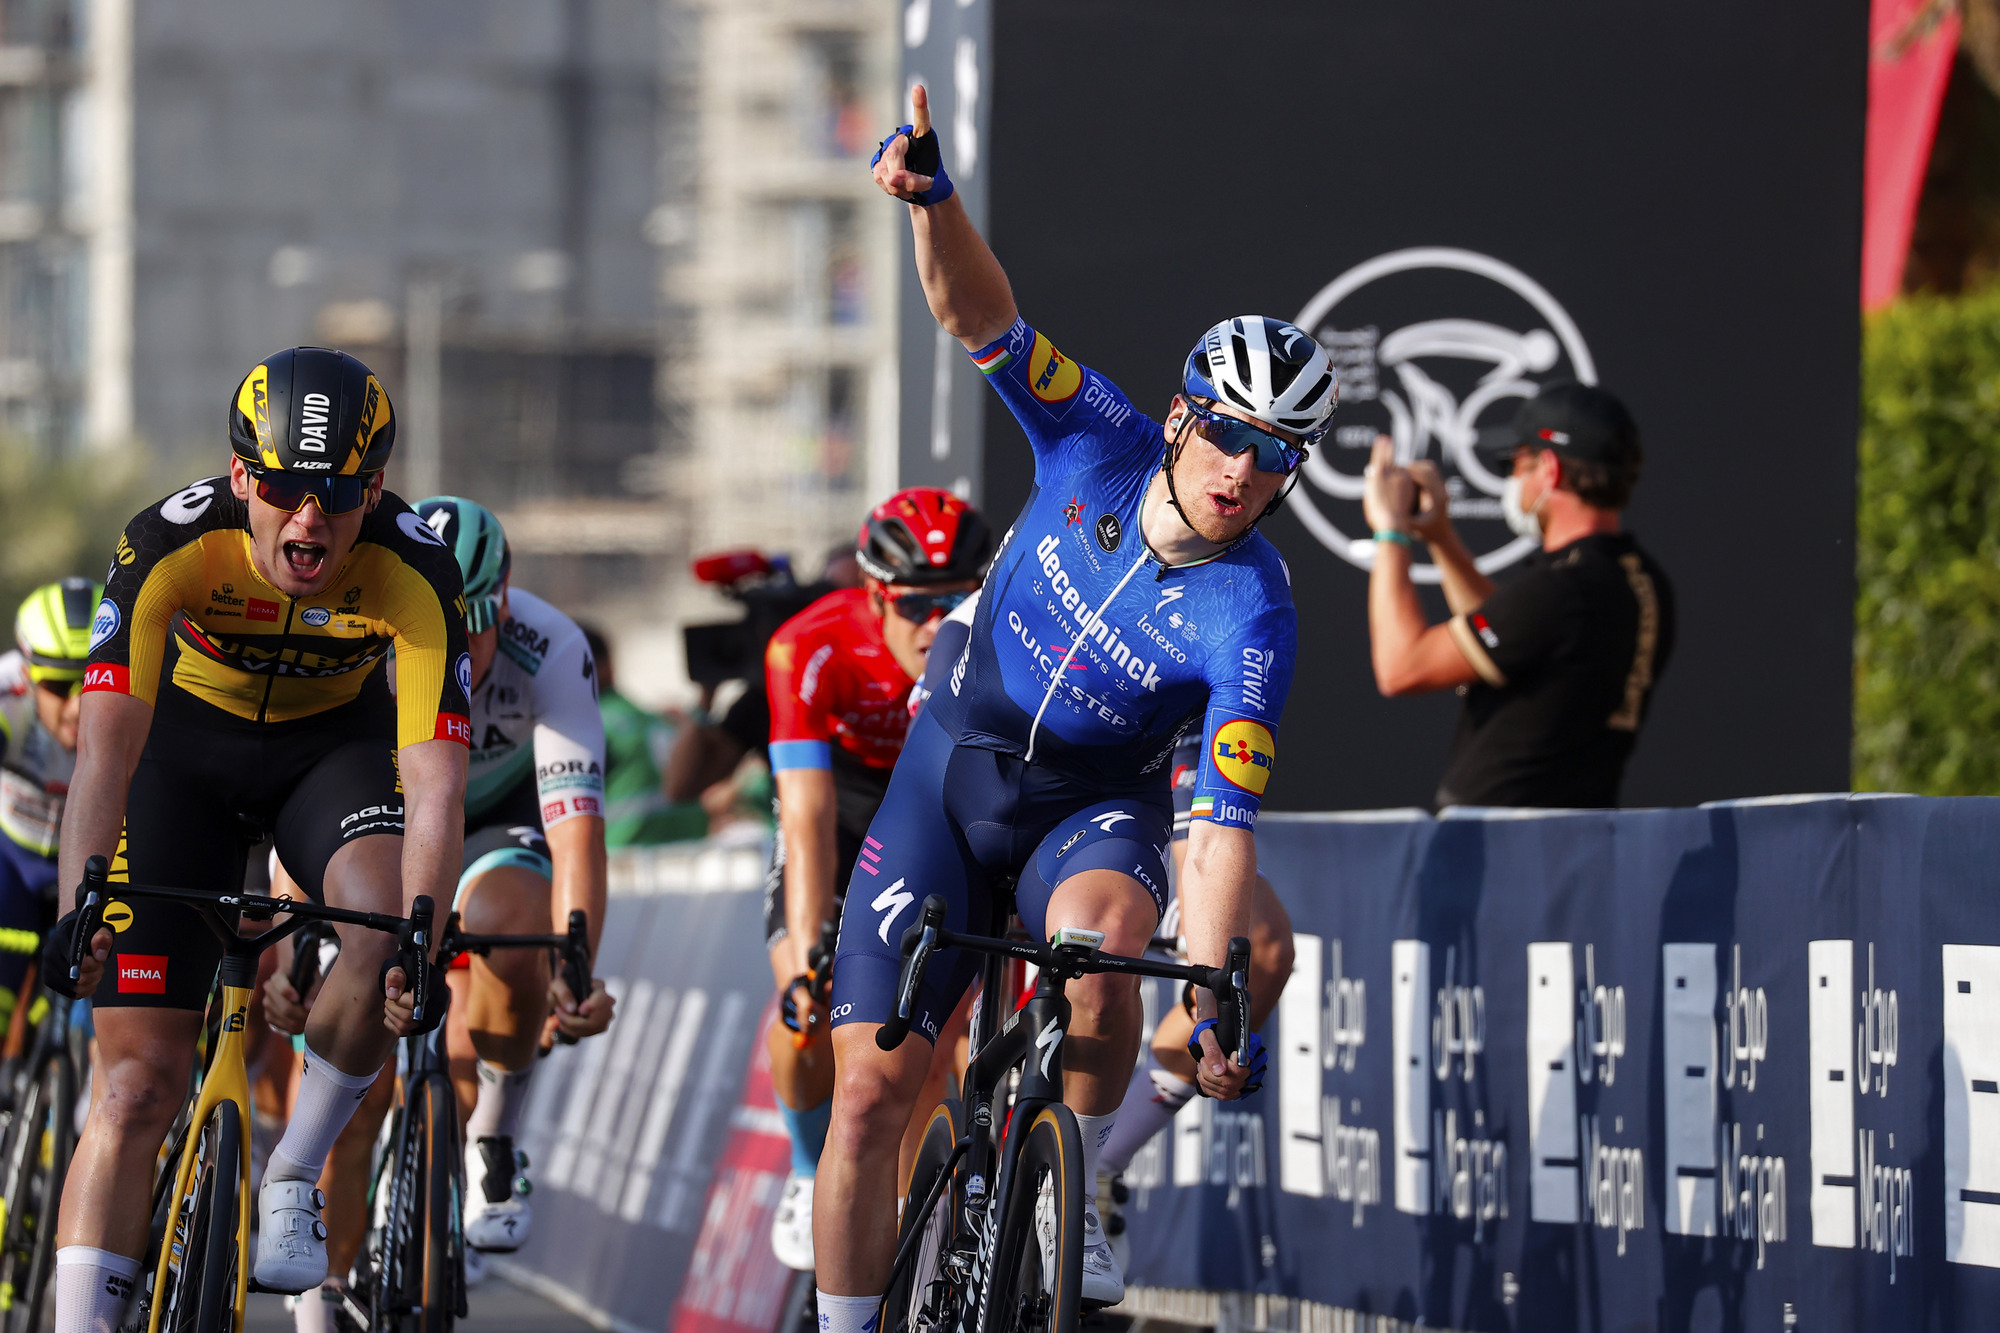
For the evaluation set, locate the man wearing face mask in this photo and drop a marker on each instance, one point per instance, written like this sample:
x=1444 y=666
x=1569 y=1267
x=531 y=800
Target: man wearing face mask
x=1557 y=664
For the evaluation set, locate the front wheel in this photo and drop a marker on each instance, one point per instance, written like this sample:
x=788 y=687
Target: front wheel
x=38 y=1150
x=927 y=1294
x=421 y=1284
x=1038 y=1267
x=200 y=1289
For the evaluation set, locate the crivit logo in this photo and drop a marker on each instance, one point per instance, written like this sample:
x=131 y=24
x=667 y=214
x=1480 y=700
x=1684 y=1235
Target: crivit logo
x=142 y=974
x=261 y=610
x=1257 y=664
x=107 y=676
x=1104 y=635
x=454 y=727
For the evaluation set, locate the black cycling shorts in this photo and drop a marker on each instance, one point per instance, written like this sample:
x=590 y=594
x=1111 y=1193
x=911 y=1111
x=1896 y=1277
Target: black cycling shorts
x=508 y=834
x=208 y=786
x=846 y=851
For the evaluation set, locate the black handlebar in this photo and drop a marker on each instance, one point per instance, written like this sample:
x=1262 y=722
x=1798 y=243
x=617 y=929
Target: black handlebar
x=307 y=942
x=918 y=942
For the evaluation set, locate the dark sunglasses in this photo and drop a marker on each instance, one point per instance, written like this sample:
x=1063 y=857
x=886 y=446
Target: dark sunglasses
x=61 y=689
x=290 y=490
x=919 y=607
x=1233 y=437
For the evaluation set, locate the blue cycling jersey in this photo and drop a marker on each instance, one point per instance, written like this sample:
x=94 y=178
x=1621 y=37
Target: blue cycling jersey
x=1088 y=655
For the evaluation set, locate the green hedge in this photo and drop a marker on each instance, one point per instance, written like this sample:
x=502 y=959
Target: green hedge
x=1927 y=614
x=61 y=517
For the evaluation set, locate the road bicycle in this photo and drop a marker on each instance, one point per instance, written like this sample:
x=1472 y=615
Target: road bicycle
x=200 y=1271
x=41 y=1135
x=417 y=1249
x=991 y=1239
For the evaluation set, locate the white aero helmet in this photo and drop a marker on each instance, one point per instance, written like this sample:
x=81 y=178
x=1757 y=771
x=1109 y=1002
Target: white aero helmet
x=1273 y=370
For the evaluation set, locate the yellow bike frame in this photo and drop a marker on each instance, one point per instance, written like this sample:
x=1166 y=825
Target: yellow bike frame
x=227 y=1080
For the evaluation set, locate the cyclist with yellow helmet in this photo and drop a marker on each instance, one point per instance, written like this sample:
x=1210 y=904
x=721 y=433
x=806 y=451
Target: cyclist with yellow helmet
x=40 y=696
x=235 y=688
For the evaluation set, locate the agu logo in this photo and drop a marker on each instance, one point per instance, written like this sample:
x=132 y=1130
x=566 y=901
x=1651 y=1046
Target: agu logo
x=142 y=974
x=1244 y=753
x=1052 y=377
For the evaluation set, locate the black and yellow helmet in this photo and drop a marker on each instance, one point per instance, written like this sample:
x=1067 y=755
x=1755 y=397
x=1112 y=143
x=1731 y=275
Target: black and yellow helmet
x=309 y=409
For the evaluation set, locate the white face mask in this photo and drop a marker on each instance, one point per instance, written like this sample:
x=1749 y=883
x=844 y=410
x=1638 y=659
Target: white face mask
x=1525 y=522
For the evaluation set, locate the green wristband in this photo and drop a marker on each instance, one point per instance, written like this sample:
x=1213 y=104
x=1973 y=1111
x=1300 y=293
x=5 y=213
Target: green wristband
x=1396 y=535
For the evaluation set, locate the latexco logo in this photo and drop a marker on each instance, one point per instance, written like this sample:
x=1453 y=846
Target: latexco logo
x=1436 y=348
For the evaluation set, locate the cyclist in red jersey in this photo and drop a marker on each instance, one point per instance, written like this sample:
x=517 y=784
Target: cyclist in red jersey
x=839 y=676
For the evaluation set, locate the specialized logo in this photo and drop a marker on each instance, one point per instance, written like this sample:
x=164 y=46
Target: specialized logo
x=1414 y=366
x=188 y=505
x=463 y=670
x=104 y=624
x=1052 y=377
x=417 y=530
x=1168 y=595
x=892 y=901
x=1243 y=753
x=1110 y=819
x=142 y=974
x=315 y=616
x=1047 y=1040
x=1109 y=534
x=1073 y=512
x=118 y=916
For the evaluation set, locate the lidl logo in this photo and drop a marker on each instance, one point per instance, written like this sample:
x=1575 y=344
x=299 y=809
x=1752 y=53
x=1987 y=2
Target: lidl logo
x=1244 y=753
x=1052 y=377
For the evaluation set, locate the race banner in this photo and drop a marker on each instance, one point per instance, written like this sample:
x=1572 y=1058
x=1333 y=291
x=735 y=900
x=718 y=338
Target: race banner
x=1735 y=1067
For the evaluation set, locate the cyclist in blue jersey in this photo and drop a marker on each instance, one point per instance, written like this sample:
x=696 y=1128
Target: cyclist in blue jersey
x=1132 y=602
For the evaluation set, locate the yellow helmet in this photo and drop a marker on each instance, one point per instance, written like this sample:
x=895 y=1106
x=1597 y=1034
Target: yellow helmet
x=52 y=629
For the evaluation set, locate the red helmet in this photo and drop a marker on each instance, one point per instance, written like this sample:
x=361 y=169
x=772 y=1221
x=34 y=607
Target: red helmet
x=924 y=535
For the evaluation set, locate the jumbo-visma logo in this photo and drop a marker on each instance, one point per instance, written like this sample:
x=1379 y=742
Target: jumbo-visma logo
x=1052 y=377
x=1244 y=753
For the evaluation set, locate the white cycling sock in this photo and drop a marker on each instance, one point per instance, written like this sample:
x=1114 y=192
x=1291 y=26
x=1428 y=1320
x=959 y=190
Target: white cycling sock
x=848 y=1314
x=502 y=1094
x=326 y=1102
x=92 y=1286
x=313 y=1311
x=1151 y=1102
x=1095 y=1129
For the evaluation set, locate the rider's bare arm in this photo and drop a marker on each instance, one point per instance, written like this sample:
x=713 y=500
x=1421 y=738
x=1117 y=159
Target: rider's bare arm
x=1215 y=897
x=1410 y=655
x=111 y=734
x=1464 y=586
x=433 y=841
x=963 y=282
x=806 y=815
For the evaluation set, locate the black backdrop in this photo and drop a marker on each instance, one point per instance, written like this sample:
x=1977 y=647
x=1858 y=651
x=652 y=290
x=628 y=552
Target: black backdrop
x=1685 y=182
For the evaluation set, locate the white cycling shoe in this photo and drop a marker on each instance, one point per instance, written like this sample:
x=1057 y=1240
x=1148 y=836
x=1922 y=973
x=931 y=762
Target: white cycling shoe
x=499 y=1226
x=1103 y=1275
x=291 y=1240
x=792 y=1227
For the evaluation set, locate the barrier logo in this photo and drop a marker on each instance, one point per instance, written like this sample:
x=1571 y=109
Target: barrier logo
x=1244 y=753
x=1436 y=348
x=1052 y=377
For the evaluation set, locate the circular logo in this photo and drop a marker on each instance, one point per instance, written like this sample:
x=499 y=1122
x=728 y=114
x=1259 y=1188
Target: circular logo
x=315 y=616
x=188 y=505
x=1244 y=752
x=105 y=624
x=1108 y=532
x=1436 y=348
x=118 y=916
x=464 y=673
x=417 y=530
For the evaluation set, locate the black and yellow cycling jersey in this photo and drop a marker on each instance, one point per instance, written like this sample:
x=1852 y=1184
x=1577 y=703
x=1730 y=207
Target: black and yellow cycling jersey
x=183 y=567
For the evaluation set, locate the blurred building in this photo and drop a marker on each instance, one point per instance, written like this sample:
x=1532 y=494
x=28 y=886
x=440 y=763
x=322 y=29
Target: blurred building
x=609 y=256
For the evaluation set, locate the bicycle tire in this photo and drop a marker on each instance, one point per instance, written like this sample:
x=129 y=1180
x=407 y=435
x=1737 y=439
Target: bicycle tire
x=394 y=1187
x=443 y=1272
x=1037 y=1283
x=903 y=1307
x=421 y=1279
x=39 y=1143
x=200 y=1289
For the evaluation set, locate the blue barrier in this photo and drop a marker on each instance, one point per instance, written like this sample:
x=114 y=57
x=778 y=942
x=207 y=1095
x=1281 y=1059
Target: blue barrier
x=1728 y=1068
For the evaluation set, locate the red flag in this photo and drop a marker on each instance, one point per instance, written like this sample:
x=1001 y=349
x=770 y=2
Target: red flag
x=1910 y=48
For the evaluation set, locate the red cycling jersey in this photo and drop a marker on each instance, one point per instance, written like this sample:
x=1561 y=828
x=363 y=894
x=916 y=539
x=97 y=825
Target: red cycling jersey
x=834 y=684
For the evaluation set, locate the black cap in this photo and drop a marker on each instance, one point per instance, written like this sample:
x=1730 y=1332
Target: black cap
x=1577 y=421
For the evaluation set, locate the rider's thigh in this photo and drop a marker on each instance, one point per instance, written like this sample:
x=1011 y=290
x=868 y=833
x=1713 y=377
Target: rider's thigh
x=1099 y=869
x=141 y=1069
x=506 y=900
x=350 y=797
x=1110 y=901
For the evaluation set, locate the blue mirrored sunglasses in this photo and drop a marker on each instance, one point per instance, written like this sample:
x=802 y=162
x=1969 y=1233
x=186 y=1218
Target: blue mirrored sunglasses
x=919 y=607
x=1233 y=436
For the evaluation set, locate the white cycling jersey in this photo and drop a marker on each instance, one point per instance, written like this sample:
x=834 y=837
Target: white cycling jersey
x=34 y=770
x=536 y=713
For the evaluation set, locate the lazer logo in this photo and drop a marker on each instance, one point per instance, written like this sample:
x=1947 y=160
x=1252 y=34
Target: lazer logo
x=892 y=901
x=1046 y=1042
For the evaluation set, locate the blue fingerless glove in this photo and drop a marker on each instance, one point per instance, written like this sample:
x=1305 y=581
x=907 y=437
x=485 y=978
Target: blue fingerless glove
x=1260 y=1059
x=923 y=158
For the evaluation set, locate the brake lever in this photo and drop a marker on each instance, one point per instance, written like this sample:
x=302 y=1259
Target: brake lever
x=416 y=957
x=576 y=965
x=89 y=913
x=918 y=941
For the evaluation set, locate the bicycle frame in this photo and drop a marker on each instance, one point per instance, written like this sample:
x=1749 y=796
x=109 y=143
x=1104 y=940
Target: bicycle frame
x=227 y=1076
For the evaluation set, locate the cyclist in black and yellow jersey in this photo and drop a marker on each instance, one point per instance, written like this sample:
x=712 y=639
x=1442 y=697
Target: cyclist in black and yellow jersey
x=235 y=687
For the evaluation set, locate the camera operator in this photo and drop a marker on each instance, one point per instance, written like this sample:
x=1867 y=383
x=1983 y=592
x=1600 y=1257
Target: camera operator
x=1557 y=664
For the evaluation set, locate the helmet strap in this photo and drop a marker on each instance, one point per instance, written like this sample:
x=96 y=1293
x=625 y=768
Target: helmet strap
x=1172 y=455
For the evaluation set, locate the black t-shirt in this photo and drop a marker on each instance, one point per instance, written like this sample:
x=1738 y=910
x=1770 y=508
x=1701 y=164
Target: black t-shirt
x=1568 y=650
x=858 y=789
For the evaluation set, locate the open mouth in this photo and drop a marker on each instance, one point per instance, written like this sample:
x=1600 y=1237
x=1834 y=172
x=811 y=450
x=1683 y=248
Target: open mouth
x=1226 y=506
x=305 y=559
